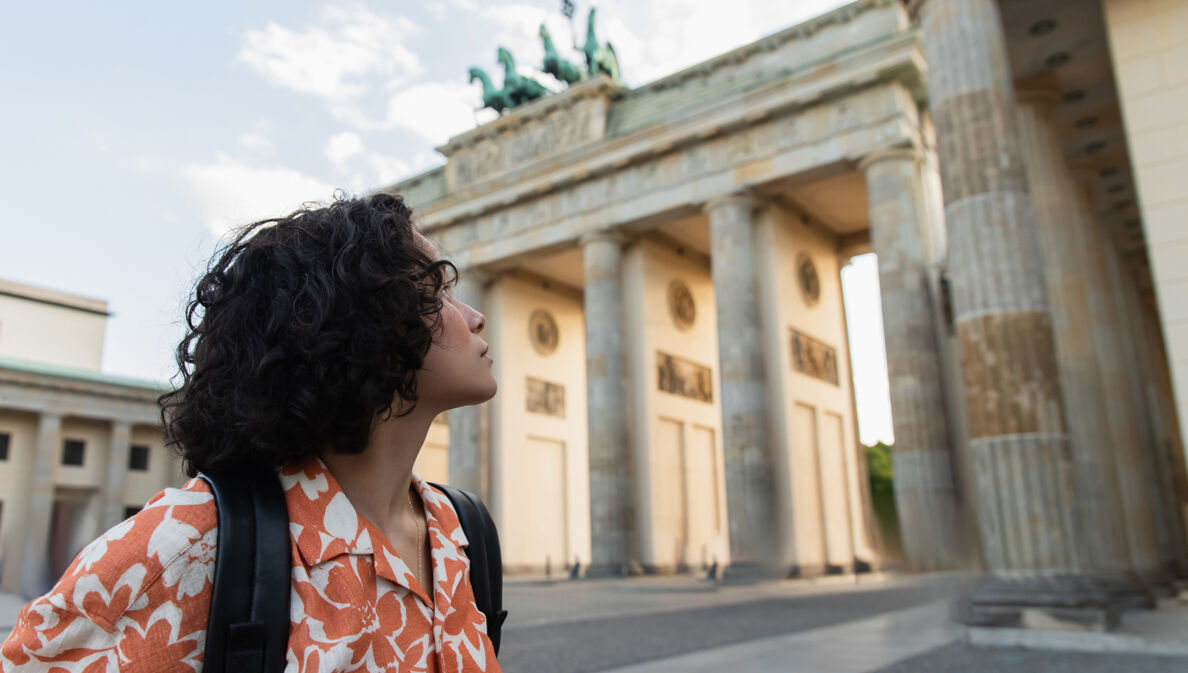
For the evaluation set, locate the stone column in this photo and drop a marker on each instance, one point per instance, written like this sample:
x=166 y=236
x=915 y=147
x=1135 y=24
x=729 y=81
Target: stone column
x=612 y=530
x=35 y=571
x=1144 y=367
x=1019 y=444
x=746 y=444
x=1106 y=458
x=468 y=438
x=925 y=495
x=117 y=470
x=1168 y=449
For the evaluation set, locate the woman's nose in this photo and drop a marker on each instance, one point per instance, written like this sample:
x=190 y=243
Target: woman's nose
x=475 y=320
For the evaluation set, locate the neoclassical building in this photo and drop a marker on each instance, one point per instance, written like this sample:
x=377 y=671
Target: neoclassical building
x=659 y=267
x=79 y=450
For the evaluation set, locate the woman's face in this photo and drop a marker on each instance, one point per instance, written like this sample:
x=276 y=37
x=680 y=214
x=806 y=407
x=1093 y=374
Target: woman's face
x=457 y=368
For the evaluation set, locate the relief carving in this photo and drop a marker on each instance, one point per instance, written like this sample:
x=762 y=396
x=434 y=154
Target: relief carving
x=686 y=378
x=543 y=332
x=545 y=397
x=680 y=305
x=534 y=140
x=810 y=280
x=814 y=358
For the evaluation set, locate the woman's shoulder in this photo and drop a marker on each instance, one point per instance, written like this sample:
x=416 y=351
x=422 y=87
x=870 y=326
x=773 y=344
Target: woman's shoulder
x=167 y=548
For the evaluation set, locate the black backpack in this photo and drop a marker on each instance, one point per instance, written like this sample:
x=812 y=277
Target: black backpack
x=248 y=628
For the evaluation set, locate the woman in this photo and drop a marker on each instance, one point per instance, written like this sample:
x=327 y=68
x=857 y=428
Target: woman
x=322 y=344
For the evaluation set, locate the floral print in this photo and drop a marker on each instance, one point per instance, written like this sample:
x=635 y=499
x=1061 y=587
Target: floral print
x=137 y=598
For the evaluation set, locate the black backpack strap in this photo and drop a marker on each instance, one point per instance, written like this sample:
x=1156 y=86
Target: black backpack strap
x=486 y=559
x=248 y=627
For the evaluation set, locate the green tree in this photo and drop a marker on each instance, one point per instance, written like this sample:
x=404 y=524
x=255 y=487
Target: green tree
x=882 y=496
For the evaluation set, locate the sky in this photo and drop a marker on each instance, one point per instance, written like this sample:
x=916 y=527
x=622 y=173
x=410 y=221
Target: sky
x=133 y=135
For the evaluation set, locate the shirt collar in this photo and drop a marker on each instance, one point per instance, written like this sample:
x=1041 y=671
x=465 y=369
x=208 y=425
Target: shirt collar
x=322 y=521
x=324 y=524
x=440 y=513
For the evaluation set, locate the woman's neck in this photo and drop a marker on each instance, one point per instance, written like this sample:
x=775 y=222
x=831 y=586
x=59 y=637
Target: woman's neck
x=377 y=481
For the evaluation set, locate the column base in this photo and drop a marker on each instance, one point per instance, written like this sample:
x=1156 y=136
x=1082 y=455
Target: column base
x=1069 y=602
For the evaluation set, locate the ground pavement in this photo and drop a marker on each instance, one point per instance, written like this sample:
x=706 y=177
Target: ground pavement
x=872 y=624
x=834 y=625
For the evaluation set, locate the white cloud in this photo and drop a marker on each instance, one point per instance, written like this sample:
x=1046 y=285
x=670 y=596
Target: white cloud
x=341 y=147
x=366 y=170
x=256 y=143
x=230 y=192
x=434 y=110
x=386 y=169
x=335 y=61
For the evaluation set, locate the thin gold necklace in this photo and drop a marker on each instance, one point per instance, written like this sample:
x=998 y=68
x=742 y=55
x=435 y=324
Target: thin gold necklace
x=420 y=544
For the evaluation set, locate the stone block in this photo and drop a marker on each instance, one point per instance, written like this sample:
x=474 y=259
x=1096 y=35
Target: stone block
x=1141 y=75
x=1164 y=182
x=1158 y=109
x=1165 y=222
x=1159 y=144
x=1175 y=65
x=1062 y=603
x=1169 y=272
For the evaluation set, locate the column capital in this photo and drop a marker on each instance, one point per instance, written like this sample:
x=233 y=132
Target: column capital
x=603 y=235
x=742 y=197
x=911 y=154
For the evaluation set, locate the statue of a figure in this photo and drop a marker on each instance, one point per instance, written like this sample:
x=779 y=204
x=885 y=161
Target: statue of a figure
x=599 y=57
x=493 y=98
x=555 y=65
x=516 y=87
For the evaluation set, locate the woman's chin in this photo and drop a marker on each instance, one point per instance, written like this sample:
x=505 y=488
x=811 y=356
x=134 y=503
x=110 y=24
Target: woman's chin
x=478 y=395
x=491 y=391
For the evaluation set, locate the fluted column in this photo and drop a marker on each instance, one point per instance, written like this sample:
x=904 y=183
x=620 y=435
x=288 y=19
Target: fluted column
x=1167 y=452
x=1107 y=465
x=612 y=532
x=35 y=572
x=1143 y=366
x=1019 y=444
x=925 y=496
x=467 y=453
x=750 y=496
x=117 y=470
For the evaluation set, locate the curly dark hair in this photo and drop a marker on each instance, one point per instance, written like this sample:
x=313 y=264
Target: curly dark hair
x=302 y=331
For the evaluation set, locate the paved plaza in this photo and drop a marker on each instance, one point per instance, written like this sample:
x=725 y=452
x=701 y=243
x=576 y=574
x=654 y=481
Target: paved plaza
x=875 y=624
x=833 y=625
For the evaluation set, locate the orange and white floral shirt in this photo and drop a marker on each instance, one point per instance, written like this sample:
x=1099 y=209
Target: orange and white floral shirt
x=137 y=598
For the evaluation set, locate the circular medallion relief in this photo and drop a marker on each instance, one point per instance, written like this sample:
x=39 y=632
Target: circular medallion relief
x=542 y=331
x=810 y=282
x=680 y=305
